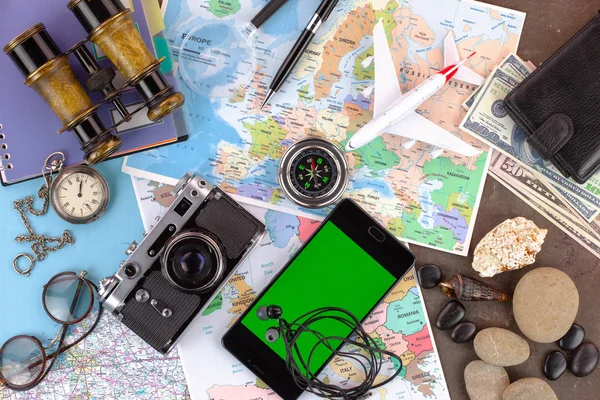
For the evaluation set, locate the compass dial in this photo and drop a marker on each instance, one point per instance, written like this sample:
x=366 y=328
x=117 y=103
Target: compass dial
x=313 y=173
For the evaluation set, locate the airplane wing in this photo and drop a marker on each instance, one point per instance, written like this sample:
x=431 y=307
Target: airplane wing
x=420 y=128
x=387 y=87
x=451 y=57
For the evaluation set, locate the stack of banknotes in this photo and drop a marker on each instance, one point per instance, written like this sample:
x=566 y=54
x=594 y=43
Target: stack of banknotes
x=573 y=207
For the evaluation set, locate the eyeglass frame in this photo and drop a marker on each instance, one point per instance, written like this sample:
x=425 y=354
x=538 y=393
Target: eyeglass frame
x=60 y=336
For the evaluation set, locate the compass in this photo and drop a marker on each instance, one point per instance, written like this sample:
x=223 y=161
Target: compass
x=313 y=173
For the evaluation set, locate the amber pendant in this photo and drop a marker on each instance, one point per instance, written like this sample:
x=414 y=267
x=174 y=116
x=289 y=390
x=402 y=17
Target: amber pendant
x=468 y=289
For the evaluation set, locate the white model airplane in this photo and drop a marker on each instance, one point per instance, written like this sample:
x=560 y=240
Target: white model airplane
x=395 y=112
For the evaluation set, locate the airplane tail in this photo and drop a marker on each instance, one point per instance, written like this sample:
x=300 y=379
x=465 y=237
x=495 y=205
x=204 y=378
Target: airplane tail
x=451 y=57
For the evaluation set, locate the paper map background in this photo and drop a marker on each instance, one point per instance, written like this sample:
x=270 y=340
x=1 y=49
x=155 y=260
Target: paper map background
x=113 y=363
x=400 y=322
x=234 y=144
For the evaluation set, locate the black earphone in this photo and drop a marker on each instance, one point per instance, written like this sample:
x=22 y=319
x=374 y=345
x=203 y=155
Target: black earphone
x=360 y=347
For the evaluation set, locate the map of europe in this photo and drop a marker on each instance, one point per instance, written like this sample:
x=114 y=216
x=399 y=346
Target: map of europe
x=421 y=199
x=399 y=324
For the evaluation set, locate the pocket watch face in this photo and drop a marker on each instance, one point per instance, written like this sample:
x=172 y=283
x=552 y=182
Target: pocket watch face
x=80 y=194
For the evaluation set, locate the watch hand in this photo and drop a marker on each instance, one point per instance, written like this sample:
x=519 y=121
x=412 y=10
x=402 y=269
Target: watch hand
x=80 y=187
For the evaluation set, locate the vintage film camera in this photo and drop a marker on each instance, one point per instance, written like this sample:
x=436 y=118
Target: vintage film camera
x=184 y=261
x=46 y=69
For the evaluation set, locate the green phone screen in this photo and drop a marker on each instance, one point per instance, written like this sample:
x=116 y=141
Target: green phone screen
x=330 y=271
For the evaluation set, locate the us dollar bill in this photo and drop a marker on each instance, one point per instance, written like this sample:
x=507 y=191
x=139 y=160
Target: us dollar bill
x=537 y=189
x=585 y=209
x=513 y=66
x=578 y=232
x=489 y=121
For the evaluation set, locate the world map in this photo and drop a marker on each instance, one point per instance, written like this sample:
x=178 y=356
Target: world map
x=233 y=143
x=399 y=324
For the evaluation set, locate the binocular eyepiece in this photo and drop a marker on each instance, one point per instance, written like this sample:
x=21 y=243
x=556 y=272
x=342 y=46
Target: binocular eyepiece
x=47 y=70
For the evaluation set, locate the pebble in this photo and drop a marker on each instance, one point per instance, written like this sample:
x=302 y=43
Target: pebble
x=555 y=365
x=572 y=339
x=484 y=381
x=529 y=389
x=463 y=332
x=584 y=360
x=451 y=315
x=429 y=276
x=545 y=304
x=498 y=346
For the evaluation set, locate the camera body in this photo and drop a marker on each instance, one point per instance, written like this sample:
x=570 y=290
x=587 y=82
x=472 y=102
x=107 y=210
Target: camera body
x=183 y=262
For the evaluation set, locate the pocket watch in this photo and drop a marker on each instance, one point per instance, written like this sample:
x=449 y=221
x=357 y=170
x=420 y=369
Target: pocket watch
x=79 y=194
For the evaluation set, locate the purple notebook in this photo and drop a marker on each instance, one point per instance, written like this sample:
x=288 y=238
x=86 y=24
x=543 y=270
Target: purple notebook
x=28 y=128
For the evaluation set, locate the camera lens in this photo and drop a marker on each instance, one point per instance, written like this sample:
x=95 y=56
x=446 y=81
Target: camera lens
x=193 y=261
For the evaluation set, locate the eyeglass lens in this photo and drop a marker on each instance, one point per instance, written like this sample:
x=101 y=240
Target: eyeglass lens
x=21 y=361
x=68 y=298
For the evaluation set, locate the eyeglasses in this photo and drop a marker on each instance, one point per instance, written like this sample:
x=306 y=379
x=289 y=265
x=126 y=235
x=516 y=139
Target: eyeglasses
x=68 y=299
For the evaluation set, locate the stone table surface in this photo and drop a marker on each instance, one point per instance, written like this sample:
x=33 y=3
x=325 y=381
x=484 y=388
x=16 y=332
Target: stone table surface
x=549 y=24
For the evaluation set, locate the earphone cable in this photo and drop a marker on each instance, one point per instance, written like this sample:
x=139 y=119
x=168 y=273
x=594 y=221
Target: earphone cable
x=368 y=354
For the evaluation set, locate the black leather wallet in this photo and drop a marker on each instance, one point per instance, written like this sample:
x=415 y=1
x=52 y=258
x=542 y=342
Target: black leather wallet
x=558 y=105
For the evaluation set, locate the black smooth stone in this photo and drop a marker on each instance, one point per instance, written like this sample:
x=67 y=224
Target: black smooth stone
x=429 y=276
x=584 y=360
x=451 y=315
x=463 y=332
x=572 y=339
x=555 y=365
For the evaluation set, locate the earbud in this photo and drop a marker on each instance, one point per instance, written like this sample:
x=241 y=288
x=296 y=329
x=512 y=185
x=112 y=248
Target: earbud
x=265 y=313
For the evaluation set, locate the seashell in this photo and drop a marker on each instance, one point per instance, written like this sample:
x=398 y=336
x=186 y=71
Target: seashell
x=468 y=289
x=511 y=245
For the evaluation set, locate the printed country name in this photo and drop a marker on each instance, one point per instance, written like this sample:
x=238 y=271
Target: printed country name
x=237 y=278
x=454 y=174
x=348 y=41
x=448 y=216
x=421 y=338
x=456 y=84
x=226 y=4
x=409 y=278
x=458 y=205
x=244 y=302
x=408 y=314
x=421 y=376
x=312 y=52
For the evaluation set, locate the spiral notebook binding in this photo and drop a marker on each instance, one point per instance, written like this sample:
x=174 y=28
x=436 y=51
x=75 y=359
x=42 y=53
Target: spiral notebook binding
x=4 y=154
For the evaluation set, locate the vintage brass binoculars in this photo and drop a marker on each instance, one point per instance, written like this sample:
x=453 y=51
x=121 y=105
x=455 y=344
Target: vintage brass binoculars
x=46 y=69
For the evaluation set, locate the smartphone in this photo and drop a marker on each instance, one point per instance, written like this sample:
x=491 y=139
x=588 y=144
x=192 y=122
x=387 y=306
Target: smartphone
x=350 y=262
